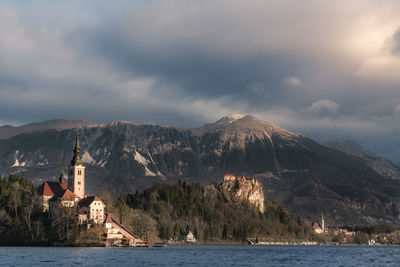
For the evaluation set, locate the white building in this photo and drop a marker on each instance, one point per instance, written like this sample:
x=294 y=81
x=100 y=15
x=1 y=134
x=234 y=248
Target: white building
x=117 y=234
x=91 y=209
x=189 y=237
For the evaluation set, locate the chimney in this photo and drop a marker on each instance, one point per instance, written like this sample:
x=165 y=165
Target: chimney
x=61 y=178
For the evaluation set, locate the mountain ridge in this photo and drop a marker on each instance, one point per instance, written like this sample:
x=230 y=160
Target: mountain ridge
x=305 y=176
x=381 y=165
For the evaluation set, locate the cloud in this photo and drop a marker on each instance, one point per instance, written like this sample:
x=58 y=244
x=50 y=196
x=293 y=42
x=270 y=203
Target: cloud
x=385 y=66
x=382 y=68
x=396 y=111
x=292 y=81
x=394 y=43
x=190 y=62
x=258 y=88
x=323 y=106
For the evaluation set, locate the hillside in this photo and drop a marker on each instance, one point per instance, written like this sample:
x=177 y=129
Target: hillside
x=381 y=165
x=307 y=177
x=211 y=214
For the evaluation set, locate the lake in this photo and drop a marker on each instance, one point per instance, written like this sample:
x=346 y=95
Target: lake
x=203 y=255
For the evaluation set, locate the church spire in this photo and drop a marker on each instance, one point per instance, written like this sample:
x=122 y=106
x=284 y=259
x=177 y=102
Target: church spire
x=76 y=160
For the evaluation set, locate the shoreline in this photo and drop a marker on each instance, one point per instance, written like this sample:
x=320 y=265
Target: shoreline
x=103 y=244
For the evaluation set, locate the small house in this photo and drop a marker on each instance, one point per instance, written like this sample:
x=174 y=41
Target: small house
x=188 y=237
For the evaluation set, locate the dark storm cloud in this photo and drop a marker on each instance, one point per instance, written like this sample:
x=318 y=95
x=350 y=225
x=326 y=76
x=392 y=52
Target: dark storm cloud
x=396 y=43
x=196 y=67
x=317 y=67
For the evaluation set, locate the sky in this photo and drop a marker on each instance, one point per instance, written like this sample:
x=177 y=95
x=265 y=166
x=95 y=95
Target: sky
x=328 y=69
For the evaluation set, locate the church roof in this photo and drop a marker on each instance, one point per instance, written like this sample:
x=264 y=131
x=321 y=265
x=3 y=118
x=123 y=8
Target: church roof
x=108 y=219
x=85 y=202
x=76 y=159
x=65 y=195
x=52 y=189
x=68 y=195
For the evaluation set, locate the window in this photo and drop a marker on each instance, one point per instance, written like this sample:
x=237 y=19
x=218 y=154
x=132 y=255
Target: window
x=79 y=182
x=79 y=172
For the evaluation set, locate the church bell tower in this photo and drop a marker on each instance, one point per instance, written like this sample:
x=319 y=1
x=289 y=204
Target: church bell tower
x=76 y=172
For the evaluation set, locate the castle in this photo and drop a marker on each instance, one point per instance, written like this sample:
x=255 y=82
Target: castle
x=56 y=197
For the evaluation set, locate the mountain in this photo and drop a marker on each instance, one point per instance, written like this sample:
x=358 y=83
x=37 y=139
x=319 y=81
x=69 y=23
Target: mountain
x=381 y=165
x=7 y=131
x=305 y=176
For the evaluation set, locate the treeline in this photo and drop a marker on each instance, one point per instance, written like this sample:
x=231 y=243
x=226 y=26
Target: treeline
x=21 y=216
x=372 y=229
x=173 y=209
x=23 y=222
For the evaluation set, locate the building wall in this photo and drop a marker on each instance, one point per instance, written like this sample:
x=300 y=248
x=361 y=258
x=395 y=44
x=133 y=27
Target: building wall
x=76 y=180
x=45 y=202
x=96 y=211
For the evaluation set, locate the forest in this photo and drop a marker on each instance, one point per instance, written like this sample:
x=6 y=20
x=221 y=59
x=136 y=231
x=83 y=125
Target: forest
x=211 y=216
x=161 y=212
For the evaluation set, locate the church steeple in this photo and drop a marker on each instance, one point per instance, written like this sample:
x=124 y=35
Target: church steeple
x=76 y=172
x=76 y=159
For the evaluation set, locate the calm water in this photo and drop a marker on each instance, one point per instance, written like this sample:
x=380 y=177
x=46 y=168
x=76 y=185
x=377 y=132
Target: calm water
x=203 y=255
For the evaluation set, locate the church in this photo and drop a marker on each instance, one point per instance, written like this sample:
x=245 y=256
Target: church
x=56 y=197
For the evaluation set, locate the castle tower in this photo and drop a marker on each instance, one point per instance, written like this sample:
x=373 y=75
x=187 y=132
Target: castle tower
x=76 y=172
x=322 y=222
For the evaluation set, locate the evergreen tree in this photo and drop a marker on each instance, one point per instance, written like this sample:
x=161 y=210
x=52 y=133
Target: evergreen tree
x=225 y=232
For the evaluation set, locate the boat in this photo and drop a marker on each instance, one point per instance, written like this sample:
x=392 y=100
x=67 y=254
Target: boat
x=141 y=244
x=159 y=245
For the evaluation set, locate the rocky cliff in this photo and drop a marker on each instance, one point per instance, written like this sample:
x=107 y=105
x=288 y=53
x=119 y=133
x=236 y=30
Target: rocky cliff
x=244 y=189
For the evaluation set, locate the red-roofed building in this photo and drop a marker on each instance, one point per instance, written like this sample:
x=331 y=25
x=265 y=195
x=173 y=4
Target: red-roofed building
x=48 y=190
x=67 y=199
x=229 y=177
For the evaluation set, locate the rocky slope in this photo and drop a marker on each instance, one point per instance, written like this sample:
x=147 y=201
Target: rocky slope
x=381 y=165
x=305 y=176
x=243 y=189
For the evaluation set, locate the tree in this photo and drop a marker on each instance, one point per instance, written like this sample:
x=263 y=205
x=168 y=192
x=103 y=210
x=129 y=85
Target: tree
x=107 y=198
x=225 y=232
x=141 y=224
x=122 y=208
x=14 y=201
